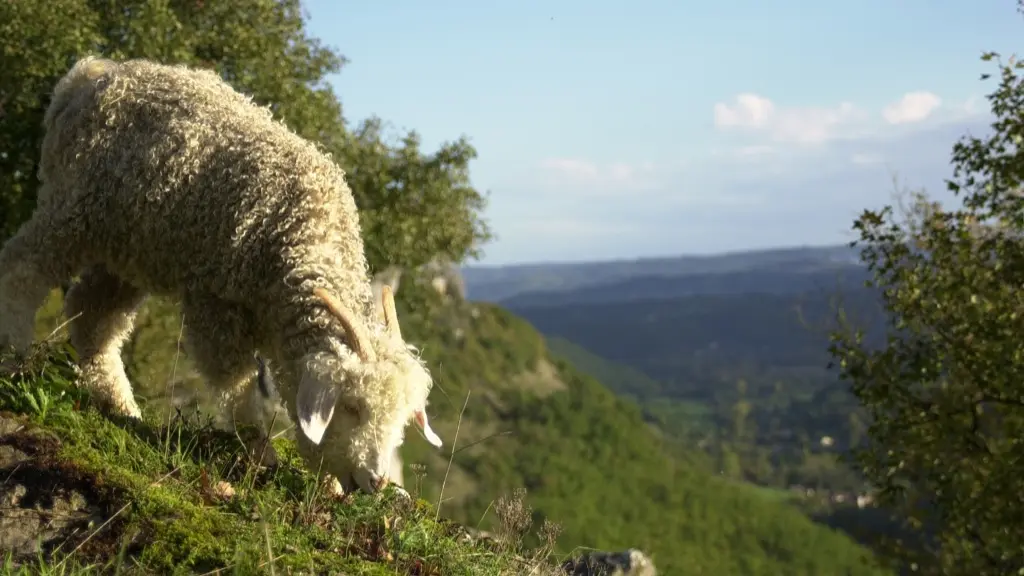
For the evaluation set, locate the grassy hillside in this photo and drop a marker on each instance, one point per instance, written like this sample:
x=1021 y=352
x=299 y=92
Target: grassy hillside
x=586 y=458
x=178 y=497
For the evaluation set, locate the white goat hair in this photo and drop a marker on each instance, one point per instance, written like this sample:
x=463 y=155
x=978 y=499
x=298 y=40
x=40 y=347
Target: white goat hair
x=160 y=179
x=394 y=473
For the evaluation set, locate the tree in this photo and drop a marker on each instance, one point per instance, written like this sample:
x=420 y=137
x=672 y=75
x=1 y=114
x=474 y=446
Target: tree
x=945 y=394
x=739 y=413
x=418 y=207
x=37 y=39
x=415 y=206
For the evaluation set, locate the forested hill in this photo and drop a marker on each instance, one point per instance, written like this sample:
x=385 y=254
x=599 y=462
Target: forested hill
x=756 y=270
x=772 y=280
x=734 y=361
x=692 y=341
x=585 y=456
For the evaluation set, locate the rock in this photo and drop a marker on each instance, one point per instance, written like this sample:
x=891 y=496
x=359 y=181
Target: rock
x=478 y=536
x=631 y=562
x=444 y=276
x=44 y=504
x=390 y=276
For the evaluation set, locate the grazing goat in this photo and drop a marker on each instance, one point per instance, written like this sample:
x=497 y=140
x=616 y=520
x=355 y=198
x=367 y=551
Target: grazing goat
x=158 y=179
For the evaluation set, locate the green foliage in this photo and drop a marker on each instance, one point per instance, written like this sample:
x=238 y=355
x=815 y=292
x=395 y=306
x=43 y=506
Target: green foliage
x=945 y=391
x=415 y=206
x=38 y=44
x=408 y=200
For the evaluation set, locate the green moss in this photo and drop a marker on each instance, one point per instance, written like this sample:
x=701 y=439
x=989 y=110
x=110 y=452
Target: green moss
x=161 y=515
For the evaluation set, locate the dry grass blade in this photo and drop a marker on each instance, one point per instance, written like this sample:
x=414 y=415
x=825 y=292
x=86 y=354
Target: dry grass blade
x=455 y=441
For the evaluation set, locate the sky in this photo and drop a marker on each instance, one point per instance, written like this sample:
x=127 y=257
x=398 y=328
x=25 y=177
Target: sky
x=610 y=130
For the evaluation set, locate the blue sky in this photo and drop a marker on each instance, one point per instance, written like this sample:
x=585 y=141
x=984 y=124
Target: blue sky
x=618 y=130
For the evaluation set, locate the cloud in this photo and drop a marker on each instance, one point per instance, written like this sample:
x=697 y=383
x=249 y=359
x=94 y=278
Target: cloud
x=750 y=111
x=572 y=228
x=799 y=125
x=595 y=178
x=792 y=195
x=756 y=152
x=866 y=158
x=802 y=126
x=912 y=107
x=974 y=105
x=571 y=168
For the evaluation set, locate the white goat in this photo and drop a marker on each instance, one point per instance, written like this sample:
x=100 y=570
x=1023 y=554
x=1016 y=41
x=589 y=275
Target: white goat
x=163 y=179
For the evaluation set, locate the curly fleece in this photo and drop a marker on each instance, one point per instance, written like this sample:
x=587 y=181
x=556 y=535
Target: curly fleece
x=165 y=180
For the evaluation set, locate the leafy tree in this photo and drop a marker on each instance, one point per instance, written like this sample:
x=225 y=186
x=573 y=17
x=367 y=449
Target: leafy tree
x=409 y=200
x=416 y=206
x=37 y=39
x=739 y=411
x=946 y=392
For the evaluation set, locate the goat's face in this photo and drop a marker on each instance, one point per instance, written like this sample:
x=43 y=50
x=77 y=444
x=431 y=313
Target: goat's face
x=356 y=406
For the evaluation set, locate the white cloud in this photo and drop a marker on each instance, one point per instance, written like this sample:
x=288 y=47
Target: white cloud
x=572 y=227
x=866 y=158
x=571 y=168
x=799 y=125
x=793 y=195
x=592 y=177
x=749 y=111
x=912 y=107
x=756 y=152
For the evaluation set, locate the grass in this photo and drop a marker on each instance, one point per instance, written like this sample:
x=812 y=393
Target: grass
x=178 y=496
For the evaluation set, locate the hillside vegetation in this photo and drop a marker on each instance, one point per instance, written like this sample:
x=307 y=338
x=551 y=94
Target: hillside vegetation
x=175 y=496
x=586 y=458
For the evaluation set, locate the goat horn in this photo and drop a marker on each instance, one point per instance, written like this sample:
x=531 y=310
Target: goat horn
x=356 y=336
x=387 y=300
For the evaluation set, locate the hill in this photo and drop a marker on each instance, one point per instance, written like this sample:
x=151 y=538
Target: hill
x=744 y=368
x=691 y=344
x=502 y=283
x=679 y=418
x=585 y=456
x=783 y=280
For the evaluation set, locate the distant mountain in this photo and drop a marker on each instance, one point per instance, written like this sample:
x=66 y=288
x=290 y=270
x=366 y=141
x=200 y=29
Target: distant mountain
x=497 y=284
x=782 y=279
x=693 y=344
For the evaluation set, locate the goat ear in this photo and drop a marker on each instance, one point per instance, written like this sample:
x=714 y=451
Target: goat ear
x=315 y=406
x=424 y=424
